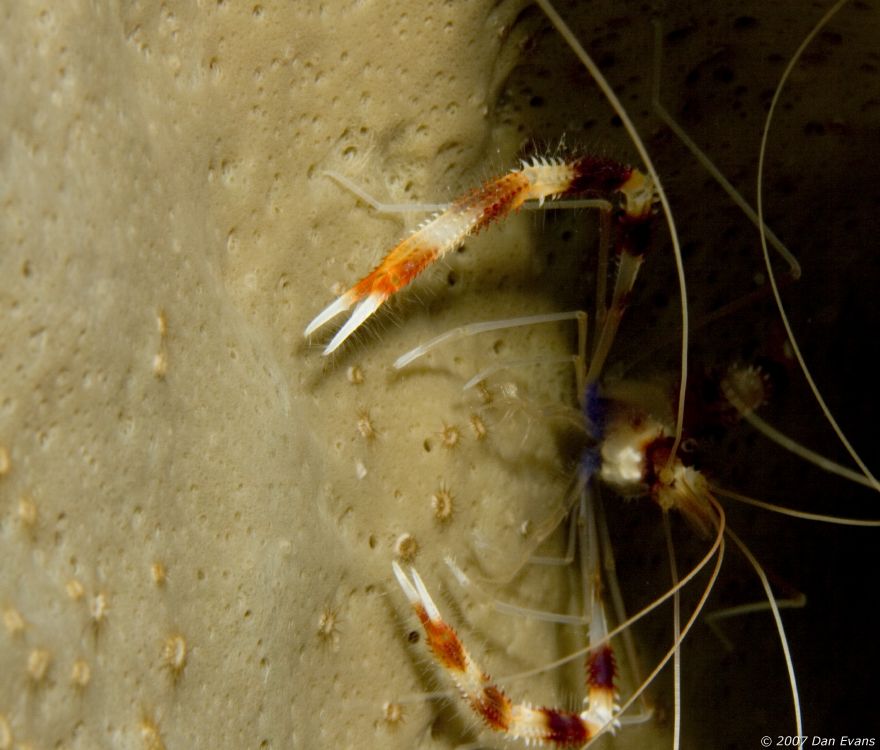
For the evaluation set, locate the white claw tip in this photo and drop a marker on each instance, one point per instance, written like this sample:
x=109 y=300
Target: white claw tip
x=416 y=591
x=366 y=307
x=404 y=582
x=339 y=305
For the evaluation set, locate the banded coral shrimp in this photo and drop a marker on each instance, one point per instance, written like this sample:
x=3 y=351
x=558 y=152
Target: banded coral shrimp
x=771 y=482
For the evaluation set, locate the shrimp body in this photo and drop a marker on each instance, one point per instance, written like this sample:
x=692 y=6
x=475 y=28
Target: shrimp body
x=633 y=456
x=538 y=180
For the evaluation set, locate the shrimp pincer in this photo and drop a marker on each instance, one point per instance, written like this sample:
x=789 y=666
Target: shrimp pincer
x=538 y=180
x=534 y=724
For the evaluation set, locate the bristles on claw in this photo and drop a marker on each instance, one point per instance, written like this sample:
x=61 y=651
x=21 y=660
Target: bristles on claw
x=417 y=594
x=536 y=725
x=339 y=305
x=538 y=180
x=363 y=311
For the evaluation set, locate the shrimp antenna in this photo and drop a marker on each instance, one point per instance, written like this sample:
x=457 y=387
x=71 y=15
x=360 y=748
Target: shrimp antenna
x=764 y=242
x=794 y=268
x=639 y=144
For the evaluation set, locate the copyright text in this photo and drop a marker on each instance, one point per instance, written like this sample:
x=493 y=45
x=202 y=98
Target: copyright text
x=816 y=740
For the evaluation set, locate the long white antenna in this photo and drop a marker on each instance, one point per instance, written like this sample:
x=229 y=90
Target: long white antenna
x=617 y=106
x=770 y=275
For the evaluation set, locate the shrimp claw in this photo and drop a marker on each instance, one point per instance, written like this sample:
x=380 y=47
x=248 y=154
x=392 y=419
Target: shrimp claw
x=536 y=180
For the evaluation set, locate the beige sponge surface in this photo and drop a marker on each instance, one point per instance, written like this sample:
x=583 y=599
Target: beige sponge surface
x=198 y=512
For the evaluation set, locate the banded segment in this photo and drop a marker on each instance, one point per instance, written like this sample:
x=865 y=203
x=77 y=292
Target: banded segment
x=540 y=180
x=601 y=692
x=534 y=724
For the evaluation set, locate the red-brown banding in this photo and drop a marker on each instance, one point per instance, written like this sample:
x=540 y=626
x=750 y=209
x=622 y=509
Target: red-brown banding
x=500 y=197
x=494 y=707
x=596 y=175
x=601 y=668
x=443 y=642
x=657 y=453
x=564 y=728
